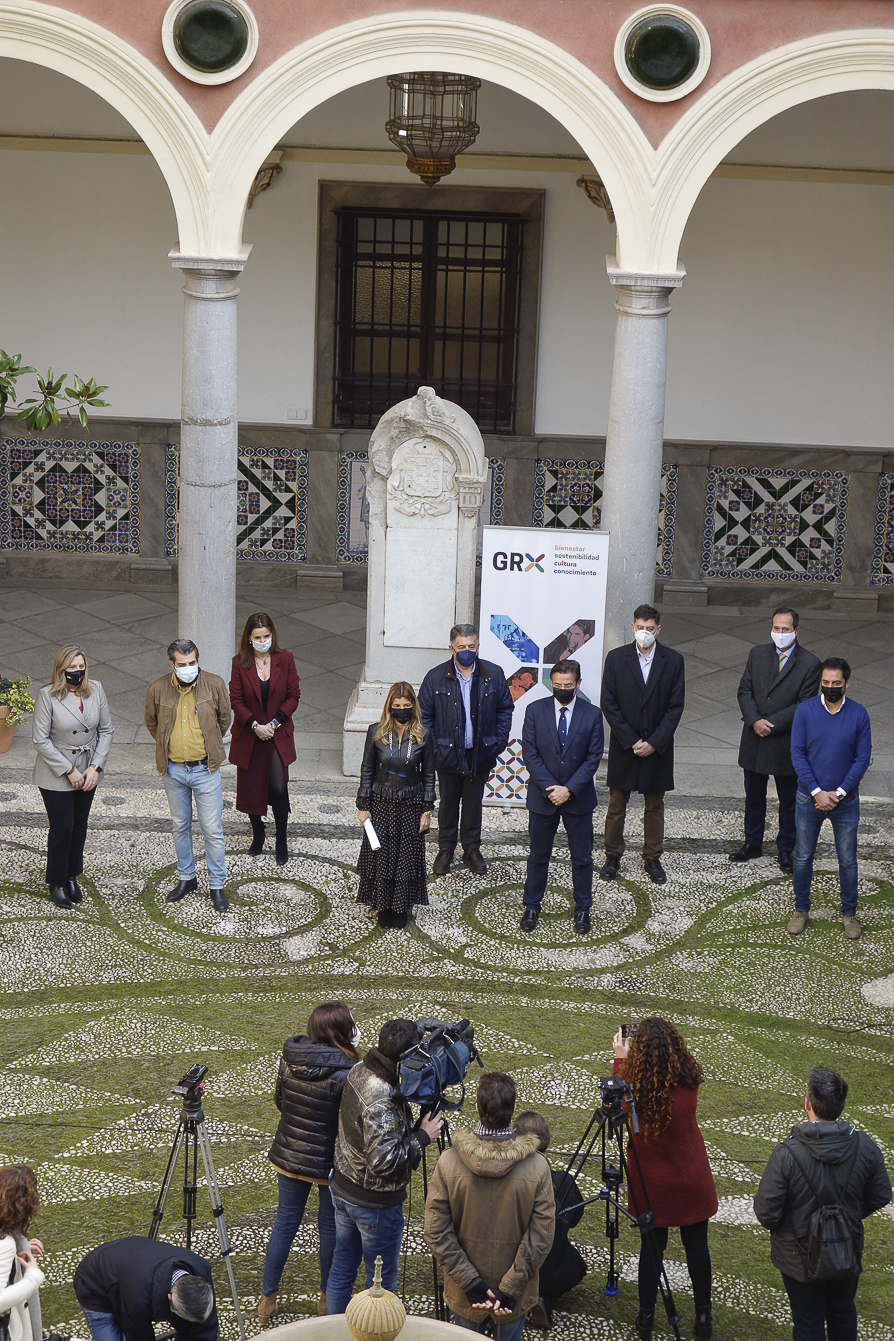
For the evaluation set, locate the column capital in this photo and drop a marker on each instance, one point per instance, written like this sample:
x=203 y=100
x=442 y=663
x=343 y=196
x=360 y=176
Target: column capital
x=211 y=264
x=643 y=281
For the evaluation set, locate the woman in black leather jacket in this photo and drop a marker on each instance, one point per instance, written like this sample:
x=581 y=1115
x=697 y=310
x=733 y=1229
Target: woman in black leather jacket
x=312 y=1074
x=397 y=792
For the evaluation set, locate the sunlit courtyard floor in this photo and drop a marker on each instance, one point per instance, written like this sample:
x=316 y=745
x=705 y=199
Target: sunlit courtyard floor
x=105 y=1006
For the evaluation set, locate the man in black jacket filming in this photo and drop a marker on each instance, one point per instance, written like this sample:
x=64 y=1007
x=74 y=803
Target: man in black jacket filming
x=823 y=1161
x=125 y=1286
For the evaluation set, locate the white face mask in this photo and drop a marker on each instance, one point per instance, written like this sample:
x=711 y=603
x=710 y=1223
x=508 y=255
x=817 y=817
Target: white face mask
x=355 y=1037
x=263 y=646
x=644 y=638
x=186 y=674
x=784 y=640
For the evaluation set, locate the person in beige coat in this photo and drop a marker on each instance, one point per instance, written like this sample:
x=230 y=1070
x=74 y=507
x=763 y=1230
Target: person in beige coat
x=490 y=1216
x=72 y=733
x=20 y=1276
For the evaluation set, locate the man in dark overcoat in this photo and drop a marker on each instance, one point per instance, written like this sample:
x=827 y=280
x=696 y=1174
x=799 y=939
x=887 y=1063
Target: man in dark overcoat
x=643 y=693
x=779 y=675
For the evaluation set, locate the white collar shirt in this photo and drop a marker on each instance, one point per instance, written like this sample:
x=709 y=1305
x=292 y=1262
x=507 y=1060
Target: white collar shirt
x=646 y=659
x=785 y=653
x=833 y=712
x=569 y=709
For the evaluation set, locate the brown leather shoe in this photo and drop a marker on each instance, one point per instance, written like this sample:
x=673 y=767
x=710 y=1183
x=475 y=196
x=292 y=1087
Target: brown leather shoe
x=441 y=863
x=473 y=859
x=267 y=1306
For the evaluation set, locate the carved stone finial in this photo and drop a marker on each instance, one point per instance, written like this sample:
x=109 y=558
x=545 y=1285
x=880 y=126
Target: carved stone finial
x=596 y=192
x=264 y=179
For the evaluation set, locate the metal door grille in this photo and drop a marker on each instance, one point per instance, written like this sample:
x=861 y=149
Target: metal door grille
x=427 y=299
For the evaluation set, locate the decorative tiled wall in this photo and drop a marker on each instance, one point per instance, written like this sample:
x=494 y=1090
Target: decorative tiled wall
x=882 y=574
x=271 y=504
x=568 y=496
x=70 y=497
x=785 y=525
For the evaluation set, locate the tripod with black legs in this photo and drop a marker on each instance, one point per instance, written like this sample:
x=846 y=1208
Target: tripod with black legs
x=610 y=1122
x=441 y=1310
x=192 y=1136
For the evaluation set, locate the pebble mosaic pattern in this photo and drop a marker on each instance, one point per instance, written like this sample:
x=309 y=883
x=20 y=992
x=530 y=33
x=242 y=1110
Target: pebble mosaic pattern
x=105 y=1006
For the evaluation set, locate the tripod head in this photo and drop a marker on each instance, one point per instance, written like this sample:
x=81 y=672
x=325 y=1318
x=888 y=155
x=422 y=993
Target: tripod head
x=191 y=1089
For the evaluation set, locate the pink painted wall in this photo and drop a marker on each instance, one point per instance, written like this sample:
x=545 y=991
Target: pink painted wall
x=739 y=31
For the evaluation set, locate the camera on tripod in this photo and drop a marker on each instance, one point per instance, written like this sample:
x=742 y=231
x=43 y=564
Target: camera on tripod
x=439 y=1061
x=190 y=1087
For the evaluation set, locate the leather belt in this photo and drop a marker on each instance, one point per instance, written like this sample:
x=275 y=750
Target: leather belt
x=194 y=763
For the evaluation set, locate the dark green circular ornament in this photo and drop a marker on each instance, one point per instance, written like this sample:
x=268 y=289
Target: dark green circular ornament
x=662 y=51
x=210 y=35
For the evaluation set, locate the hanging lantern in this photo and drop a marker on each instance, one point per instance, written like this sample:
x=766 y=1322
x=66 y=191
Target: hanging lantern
x=432 y=120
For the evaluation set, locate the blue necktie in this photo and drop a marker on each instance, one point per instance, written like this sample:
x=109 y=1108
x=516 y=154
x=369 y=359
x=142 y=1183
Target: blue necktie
x=563 y=729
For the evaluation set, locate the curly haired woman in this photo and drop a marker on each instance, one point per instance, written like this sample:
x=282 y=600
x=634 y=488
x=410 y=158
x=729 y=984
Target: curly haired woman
x=20 y=1276
x=665 y=1078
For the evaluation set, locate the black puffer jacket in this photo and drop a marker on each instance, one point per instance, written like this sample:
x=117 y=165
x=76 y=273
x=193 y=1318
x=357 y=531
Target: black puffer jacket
x=308 y=1093
x=784 y=1202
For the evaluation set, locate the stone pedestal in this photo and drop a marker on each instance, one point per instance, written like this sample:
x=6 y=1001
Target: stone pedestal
x=425 y=488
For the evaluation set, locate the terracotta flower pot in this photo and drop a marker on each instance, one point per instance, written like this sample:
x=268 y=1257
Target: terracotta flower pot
x=6 y=731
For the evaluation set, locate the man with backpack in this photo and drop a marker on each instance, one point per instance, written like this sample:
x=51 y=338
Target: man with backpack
x=818 y=1187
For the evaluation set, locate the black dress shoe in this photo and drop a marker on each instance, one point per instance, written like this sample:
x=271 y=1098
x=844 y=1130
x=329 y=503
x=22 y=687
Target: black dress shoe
x=473 y=859
x=610 y=869
x=441 y=863
x=74 y=891
x=384 y=918
x=399 y=921
x=530 y=918
x=786 y=862
x=59 y=896
x=655 y=871
x=582 y=923
x=746 y=853
x=182 y=889
x=219 y=900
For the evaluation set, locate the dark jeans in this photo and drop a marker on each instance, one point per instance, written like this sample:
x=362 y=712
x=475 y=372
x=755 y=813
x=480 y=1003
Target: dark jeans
x=455 y=789
x=808 y=821
x=698 y=1264
x=362 y=1233
x=756 y=809
x=822 y=1307
x=293 y=1194
x=68 y=813
x=542 y=831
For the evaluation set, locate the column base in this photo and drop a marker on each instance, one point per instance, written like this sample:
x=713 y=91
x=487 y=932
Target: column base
x=861 y=601
x=151 y=572
x=680 y=593
x=364 y=707
x=318 y=577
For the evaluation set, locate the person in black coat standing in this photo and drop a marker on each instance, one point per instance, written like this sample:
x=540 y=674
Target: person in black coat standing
x=643 y=693
x=125 y=1286
x=562 y=743
x=779 y=675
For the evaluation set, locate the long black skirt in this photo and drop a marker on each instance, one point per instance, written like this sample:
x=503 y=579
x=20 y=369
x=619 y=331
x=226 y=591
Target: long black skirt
x=393 y=879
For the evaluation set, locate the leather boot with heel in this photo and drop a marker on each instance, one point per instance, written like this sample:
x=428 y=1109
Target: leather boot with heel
x=74 y=891
x=258 y=834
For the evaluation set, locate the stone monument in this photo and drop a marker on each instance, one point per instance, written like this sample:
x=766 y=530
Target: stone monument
x=425 y=486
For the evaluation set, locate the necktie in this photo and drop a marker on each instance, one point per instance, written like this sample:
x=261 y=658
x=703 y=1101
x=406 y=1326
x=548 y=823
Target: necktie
x=563 y=728
x=781 y=659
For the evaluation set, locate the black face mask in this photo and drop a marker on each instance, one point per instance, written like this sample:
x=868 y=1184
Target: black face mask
x=402 y=715
x=564 y=695
x=833 y=695
x=74 y=677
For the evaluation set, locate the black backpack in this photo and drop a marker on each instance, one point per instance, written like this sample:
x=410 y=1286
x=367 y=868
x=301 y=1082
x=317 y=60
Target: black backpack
x=831 y=1243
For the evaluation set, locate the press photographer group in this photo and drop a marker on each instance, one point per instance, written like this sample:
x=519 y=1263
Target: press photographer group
x=497 y=1215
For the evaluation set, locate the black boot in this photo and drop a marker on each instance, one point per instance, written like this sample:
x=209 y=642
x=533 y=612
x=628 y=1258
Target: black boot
x=644 y=1322
x=74 y=891
x=59 y=896
x=281 y=816
x=258 y=833
x=703 y=1327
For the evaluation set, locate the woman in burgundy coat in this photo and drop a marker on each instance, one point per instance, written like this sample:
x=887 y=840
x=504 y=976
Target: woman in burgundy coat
x=665 y=1078
x=264 y=694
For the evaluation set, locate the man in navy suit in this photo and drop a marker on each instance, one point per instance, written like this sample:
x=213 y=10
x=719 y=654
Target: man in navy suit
x=562 y=744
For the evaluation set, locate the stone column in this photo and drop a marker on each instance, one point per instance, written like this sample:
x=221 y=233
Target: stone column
x=634 y=439
x=208 y=457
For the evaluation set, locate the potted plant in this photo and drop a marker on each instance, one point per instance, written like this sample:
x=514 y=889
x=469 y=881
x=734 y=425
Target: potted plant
x=15 y=702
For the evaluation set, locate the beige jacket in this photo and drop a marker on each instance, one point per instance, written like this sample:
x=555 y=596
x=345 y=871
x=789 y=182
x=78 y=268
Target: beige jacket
x=213 y=704
x=490 y=1215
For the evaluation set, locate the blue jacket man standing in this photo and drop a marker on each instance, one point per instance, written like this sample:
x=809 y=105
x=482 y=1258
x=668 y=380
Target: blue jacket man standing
x=562 y=743
x=831 y=750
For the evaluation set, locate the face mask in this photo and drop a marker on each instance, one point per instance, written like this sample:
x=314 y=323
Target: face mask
x=186 y=674
x=833 y=695
x=402 y=715
x=784 y=640
x=264 y=646
x=74 y=677
x=644 y=638
x=465 y=658
x=355 y=1037
x=564 y=695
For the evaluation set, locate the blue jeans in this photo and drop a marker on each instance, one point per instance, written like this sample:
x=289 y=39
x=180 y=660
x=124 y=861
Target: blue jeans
x=367 y=1233
x=808 y=822
x=506 y=1331
x=293 y=1194
x=103 y=1326
x=182 y=782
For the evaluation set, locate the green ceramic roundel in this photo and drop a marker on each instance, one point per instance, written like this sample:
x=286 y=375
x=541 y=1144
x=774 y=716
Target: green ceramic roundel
x=210 y=35
x=662 y=51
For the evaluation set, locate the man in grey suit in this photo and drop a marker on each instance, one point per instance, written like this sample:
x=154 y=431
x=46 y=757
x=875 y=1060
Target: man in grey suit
x=779 y=675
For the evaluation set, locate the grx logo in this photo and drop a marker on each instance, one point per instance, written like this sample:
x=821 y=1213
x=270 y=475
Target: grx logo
x=534 y=563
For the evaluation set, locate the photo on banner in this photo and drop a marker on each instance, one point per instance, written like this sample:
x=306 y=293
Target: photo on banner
x=542 y=602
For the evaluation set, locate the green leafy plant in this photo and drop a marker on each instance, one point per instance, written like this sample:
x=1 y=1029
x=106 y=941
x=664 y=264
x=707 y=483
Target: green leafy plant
x=38 y=412
x=15 y=696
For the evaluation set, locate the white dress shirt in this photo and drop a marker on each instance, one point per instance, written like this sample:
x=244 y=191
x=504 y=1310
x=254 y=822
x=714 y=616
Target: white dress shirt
x=569 y=708
x=645 y=660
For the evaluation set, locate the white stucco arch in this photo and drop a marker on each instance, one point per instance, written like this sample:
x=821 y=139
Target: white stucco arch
x=91 y=55
x=772 y=83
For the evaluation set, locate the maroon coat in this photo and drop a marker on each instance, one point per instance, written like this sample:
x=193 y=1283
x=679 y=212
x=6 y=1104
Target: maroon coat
x=675 y=1168
x=246 y=751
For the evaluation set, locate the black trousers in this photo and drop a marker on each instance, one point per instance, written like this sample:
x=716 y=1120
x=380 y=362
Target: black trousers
x=756 y=809
x=698 y=1264
x=542 y=832
x=455 y=790
x=822 y=1307
x=68 y=813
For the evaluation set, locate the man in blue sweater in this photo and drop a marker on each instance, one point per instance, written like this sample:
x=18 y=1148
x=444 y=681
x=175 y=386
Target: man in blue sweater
x=831 y=750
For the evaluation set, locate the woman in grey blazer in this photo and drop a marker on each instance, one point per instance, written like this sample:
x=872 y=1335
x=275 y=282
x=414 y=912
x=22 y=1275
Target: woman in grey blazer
x=72 y=733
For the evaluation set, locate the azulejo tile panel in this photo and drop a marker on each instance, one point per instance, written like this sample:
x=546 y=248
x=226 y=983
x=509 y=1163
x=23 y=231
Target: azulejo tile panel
x=780 y=525
x=271 y=503
x=568 y=496
x=74 y=497
x=882 y=572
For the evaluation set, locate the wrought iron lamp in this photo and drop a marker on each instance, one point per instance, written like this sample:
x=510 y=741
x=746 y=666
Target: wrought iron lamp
x=432 y=120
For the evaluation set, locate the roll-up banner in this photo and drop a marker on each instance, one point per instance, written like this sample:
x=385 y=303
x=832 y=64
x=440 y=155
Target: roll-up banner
x=542 y=601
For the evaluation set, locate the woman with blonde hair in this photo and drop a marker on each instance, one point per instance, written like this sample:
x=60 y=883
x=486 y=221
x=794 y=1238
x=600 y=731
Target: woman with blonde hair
x=20 y=1276
x=72 y=733
x=397 y=792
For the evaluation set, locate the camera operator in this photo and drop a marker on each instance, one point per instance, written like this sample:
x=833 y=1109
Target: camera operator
x=824 y=1160
x=376 y=1151
x=125 y=1286
x=564 y=1266
x=665 y=1078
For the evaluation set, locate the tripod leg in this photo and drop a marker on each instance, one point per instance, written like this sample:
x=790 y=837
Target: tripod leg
x=436 y=1284
x=166 y=1181
x=219 y=1220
